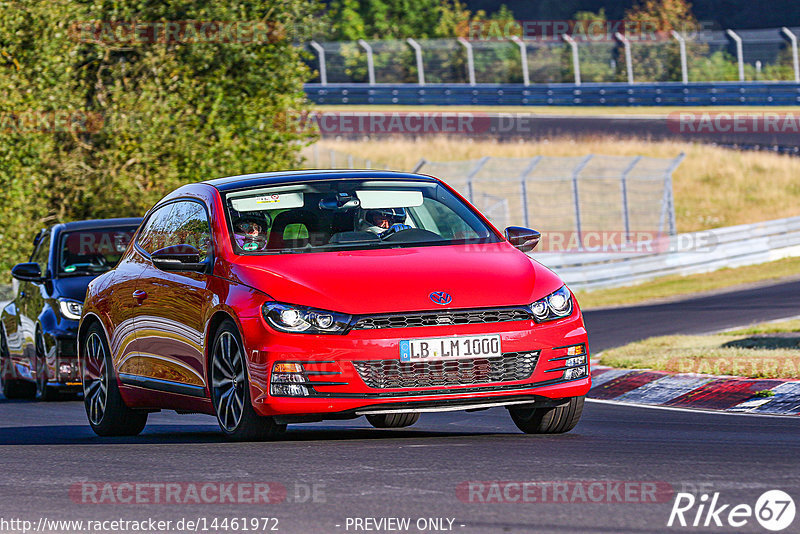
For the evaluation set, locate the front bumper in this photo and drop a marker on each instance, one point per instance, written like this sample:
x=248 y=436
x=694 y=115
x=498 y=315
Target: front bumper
x=338 y=386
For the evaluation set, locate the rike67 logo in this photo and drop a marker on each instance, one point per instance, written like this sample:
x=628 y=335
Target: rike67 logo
x=774 y=510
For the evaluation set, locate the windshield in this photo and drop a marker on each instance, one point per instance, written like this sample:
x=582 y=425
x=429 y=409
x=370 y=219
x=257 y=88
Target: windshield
x=92 y=251
x=351 y=214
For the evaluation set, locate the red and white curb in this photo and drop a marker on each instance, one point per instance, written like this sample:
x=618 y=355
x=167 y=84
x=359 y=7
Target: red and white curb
x=732 y=394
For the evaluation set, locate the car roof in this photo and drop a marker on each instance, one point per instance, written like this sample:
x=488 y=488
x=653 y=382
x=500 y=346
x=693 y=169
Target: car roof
x=97 y=223
x=285 y=177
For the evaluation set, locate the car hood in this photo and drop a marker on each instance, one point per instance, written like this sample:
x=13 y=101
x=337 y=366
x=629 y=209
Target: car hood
x=73 y=287
x=400 y=279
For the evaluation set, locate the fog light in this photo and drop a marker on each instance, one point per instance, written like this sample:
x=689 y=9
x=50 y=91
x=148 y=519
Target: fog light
x=575 y=350
x=287 y=380
x=577 y=360
x=575 y=372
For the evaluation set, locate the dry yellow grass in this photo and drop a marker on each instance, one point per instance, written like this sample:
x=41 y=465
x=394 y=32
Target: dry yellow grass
x=713 y=186
x=769 y=350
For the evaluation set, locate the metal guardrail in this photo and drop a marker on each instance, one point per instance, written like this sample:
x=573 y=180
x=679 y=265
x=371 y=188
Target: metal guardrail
x=561 y=94
x=690 y=253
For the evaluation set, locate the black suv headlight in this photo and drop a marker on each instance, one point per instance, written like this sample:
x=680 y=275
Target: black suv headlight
x=304 y=320
x=556 y=305
x=70 y=309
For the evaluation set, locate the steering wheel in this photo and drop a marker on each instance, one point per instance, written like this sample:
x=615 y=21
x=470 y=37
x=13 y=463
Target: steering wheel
x=411 y=235
x=395 y=228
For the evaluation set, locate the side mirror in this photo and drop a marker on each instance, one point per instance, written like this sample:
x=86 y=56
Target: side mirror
x=27 y=272
x=178 y=258
x=524 y=239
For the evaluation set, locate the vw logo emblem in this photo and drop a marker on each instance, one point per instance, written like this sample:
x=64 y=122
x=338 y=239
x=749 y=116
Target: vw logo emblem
x=440 y=297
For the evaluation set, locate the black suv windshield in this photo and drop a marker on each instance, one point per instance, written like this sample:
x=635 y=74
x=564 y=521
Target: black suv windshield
x=350 y=214
x=93 y=250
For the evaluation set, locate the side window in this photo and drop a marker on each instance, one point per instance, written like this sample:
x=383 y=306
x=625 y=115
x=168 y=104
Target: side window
x=154 y=234
x=179 y=223
x=42 y=252
x=189 y=226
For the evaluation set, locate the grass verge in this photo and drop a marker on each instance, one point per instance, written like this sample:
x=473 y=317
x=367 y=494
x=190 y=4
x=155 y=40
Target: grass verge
x=770 y=350
x=690 y=285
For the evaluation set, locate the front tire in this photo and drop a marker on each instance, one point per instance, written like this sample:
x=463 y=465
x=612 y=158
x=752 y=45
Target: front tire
x=44 y=392
x=108 y=415
x=556 y=420
x=393 y=420
x=12 y=389
x=230 y=390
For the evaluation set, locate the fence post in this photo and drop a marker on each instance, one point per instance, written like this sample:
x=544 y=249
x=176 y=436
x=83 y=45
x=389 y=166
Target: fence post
x=626 y=220
x=576 y=198
x=333 y=159
x=421 y=163
x=470 y=61
x=475 y=170
x=370 y=63
x=350 y=164
x=667 y=204
x=576 y=64
x=523 y=55
x=793 y=39
x=684 y=66
x=626 y=44
x=532 y=165
x=315 y=151
x=418 y=53
x=739 y=55
x=323 y=71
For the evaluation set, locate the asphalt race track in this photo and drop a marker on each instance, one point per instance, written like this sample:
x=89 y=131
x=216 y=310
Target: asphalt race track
x=335 y=471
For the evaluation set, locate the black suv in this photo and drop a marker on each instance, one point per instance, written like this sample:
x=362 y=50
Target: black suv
x=39 y=328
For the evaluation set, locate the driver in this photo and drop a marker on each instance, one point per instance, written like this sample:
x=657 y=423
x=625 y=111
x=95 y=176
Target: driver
x=383 y=221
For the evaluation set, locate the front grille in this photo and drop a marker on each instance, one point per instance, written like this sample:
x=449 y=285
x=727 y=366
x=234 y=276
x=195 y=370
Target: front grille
x=442 y=318
x=384 y=374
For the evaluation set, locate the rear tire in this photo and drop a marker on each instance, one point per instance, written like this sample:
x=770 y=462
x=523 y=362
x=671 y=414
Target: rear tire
x=108 y=415
x=393 y=420
x=548 y=420
x=12 y=389
x=230 y=390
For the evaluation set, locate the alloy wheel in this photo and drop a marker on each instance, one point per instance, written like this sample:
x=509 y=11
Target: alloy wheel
x=228 y=382
x=95 y=380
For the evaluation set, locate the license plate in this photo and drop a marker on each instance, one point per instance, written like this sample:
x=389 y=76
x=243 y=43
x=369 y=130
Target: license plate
x=449 y=348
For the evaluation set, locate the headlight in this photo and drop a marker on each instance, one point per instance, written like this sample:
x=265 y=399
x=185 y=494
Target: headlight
x=301 y=319
x=70 y=309
x=556 y=305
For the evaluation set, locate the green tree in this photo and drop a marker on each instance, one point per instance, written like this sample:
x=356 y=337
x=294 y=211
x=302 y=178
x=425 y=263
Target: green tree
x=161 y=112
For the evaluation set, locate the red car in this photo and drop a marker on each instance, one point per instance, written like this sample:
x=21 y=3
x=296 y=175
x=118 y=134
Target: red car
x=292 y=297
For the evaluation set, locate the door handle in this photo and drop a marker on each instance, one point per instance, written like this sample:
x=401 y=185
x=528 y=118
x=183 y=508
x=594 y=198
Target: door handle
x=139 y=295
